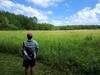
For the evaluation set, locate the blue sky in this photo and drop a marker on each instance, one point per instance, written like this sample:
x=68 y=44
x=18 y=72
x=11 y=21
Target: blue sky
x=57 y=12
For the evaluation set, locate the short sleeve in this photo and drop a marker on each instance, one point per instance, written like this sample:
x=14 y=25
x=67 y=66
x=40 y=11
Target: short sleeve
x=37 y=45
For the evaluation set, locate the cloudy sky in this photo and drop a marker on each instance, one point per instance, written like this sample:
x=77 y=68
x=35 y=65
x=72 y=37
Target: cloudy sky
x=57 y=12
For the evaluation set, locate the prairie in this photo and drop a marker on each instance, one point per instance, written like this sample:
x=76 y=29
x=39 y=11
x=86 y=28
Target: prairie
x=74 y=52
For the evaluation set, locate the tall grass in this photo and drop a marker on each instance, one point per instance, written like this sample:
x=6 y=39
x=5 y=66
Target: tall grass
x=76 y=52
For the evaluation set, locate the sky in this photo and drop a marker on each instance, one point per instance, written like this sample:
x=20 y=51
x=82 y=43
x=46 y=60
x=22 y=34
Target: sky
x=56 y=12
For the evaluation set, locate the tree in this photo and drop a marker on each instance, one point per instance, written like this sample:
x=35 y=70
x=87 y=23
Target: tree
x=11 y=21
x=34 y=19
x=3 y=22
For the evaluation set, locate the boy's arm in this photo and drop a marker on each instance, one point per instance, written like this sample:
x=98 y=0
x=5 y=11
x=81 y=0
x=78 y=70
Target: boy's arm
x=24 y=51
x=37 y=47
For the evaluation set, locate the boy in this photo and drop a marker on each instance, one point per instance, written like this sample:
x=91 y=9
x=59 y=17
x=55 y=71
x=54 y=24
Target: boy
x=30 y=49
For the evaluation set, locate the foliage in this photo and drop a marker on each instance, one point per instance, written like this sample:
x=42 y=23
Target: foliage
x=75 y=52
x=77 y=27
x=12 y=65
x=9 y=21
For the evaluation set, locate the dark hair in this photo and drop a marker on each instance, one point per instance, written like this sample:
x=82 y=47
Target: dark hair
x=29 y=37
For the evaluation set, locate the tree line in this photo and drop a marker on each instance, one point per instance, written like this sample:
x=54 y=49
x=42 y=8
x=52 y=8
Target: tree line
x=77 y=27
x=11 y=21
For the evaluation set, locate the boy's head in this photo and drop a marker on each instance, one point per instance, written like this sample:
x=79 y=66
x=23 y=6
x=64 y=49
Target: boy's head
x=29 y=35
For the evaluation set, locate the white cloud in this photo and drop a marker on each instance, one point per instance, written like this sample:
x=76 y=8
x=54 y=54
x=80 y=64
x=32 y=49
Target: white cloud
x=6 y=4
x=22 y=9
x=85 y=16
x=45 y=3
x=57 y=22
x=66 y=18
x=49 y=12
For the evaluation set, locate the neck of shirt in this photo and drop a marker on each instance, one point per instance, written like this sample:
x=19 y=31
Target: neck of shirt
x=29 y=40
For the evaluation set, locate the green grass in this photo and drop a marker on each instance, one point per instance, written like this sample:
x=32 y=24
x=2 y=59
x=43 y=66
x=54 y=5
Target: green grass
x=12 y=65
x=76 y=52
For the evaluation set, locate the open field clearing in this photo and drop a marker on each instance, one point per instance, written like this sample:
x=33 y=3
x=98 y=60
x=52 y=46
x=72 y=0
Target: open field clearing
x=72 y=52
x=12 y=65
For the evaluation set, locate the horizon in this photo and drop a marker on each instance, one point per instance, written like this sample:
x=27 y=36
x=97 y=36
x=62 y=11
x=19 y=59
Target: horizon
x=56 y=12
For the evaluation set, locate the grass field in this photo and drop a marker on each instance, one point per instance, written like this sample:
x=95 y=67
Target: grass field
x=12 y=65
x=72 y=52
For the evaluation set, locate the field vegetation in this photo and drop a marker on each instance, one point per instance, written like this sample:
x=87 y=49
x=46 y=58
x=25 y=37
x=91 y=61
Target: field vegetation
x=74 y=52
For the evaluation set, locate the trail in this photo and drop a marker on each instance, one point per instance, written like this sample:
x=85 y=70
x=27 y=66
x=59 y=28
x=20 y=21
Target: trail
x=12 y=65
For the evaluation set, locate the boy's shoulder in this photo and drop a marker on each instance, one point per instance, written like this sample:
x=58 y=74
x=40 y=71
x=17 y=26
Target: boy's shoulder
x=31 y=41
x=34 y=41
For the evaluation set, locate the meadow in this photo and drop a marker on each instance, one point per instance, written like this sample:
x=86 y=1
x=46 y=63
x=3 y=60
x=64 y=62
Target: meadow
x=71 y=52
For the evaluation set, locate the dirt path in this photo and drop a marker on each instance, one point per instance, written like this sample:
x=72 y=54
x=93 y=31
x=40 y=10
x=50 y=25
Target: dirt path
x=12 y=65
